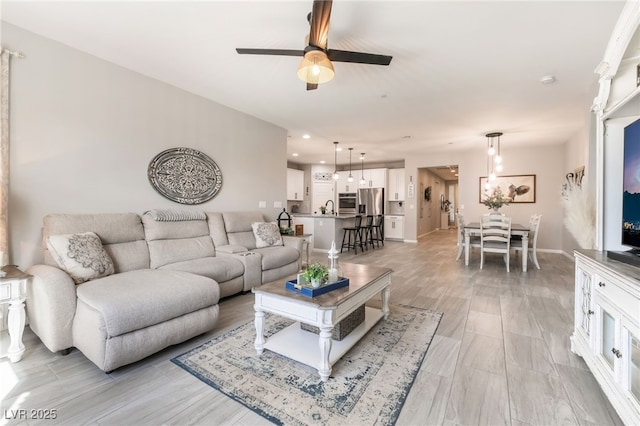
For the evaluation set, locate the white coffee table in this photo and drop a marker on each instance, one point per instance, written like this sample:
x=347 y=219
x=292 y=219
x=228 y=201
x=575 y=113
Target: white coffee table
x=324 y=312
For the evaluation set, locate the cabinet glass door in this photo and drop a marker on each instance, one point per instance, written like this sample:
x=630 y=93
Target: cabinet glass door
x=608 y=337
x=634 y=366
x=584 y=311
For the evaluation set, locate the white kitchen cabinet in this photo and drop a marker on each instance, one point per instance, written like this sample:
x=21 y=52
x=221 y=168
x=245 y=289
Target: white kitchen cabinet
x=607 y=328
x=344 y=185
x=295 y=185
x=373 y=178
x=395 y=188
x=394 y=227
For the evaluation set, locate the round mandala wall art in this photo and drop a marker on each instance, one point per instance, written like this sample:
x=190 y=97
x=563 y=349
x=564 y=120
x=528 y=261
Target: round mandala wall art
x=185 y=175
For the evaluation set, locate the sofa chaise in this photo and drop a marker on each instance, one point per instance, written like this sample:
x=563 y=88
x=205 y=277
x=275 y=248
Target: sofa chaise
x=120 y=287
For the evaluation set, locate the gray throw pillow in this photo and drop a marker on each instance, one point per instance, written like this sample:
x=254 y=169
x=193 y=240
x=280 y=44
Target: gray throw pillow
x=267 y=234
x=80 y=255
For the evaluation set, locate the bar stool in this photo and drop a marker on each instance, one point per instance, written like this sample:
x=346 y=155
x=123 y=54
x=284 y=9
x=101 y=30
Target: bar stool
x=366 y=233
x=354 y=235
x=377 y=231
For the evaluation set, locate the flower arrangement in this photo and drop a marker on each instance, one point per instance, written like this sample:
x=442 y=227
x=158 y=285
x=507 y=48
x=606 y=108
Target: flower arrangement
x=316 y=271
x=496 y=200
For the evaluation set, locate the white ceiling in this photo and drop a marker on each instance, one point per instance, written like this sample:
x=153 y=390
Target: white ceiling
x=459 y=69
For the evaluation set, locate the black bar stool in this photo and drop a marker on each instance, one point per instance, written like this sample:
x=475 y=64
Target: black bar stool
x=354 y=239
x=377 y=230
x=366 y=233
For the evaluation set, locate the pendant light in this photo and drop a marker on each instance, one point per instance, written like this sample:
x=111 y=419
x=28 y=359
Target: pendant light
x=336 y=176
x=362 y=181
x=350 y=178
x=494 y=159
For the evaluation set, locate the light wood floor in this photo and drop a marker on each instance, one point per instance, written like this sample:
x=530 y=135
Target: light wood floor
x=500 y=355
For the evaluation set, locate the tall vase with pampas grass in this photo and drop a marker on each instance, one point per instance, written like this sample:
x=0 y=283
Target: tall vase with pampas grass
x=579 y=214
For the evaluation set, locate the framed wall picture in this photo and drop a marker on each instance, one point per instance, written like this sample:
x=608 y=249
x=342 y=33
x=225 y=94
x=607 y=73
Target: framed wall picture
x=516 y=188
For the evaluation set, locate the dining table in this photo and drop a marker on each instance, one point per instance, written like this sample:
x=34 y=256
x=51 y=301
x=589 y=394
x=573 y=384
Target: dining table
x=473 y=229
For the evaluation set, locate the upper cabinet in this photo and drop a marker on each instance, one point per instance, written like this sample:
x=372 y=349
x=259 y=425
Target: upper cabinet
x=395 y=189
x=373 y=178
x=343 y=184
x=295 y=185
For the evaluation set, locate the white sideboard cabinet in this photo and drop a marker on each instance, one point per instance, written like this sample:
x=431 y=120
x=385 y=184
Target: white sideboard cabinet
x=607 y=328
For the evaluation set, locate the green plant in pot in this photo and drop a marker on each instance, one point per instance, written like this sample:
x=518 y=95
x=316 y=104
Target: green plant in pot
x=316 y=273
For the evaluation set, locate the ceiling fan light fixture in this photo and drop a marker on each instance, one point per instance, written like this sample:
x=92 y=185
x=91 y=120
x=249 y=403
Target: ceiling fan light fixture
x=315 y=67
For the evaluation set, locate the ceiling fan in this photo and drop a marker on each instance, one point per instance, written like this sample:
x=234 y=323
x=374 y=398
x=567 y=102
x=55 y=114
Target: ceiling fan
x=316 y=66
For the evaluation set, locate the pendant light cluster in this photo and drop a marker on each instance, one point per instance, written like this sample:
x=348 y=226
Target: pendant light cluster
x=494 y=159
x=336 y=176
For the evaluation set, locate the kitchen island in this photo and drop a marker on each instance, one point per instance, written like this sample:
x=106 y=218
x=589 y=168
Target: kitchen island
x=324 y=227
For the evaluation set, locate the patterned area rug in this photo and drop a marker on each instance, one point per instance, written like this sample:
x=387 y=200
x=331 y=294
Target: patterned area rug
x=367 y=386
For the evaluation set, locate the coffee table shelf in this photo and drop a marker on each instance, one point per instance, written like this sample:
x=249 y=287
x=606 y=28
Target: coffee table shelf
x=302 y=346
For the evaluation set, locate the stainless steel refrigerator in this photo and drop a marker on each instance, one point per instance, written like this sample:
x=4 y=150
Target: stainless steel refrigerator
x=371 y=201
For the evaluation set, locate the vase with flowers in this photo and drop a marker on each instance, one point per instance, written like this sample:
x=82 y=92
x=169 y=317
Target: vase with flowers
x=496 y=200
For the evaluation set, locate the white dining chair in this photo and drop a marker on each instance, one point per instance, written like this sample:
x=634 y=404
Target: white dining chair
x=516 y=244
x=474 y=240
x=495 y=237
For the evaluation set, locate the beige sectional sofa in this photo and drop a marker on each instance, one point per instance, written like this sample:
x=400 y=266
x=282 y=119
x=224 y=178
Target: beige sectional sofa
x=163 y=279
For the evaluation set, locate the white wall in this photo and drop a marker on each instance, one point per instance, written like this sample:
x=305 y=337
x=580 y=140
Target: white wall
x=544 y=161
x=84 y=130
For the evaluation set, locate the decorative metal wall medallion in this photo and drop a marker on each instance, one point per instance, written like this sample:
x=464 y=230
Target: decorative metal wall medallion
x=185 y=175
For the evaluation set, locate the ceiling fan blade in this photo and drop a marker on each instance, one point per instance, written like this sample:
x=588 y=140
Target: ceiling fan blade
x=312 y=86
x=320 y=15
x=280 y=52
x=358 y=57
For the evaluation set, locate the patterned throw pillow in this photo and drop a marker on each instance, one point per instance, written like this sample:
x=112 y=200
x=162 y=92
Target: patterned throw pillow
x=267 y=234
x=80 y=255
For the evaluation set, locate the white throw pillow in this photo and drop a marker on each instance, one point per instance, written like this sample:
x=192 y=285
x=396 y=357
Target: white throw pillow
x=80 y=255
x=267 y=234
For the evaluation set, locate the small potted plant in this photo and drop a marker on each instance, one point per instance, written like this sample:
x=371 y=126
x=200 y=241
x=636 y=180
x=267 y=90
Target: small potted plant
x=316 y=273
x=323 y=209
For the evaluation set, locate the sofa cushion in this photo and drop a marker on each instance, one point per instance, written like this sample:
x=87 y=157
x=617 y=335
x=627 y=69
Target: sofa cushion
x=267 y=234
x=122 y=236
x=239 y=229
x=80 y=255
x=176 y=241
x=221 y=269
x=137 y=299
x=275 y=257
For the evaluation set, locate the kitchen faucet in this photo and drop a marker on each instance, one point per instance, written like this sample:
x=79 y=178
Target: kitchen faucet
x=333 y=206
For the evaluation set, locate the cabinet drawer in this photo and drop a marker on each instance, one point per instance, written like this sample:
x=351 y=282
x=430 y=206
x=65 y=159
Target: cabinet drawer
x=622 y=299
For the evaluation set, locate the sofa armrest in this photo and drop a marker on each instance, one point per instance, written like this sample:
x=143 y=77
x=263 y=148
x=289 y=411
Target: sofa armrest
x=295 y=242
x=51 y=306
x=252 y=263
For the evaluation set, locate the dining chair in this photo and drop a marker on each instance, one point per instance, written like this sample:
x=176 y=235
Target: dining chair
x=495 y=237
x=516 y=244
x=474 y=240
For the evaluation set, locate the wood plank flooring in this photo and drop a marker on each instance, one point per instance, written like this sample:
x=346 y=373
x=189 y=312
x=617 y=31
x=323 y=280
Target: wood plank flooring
x=500 y=356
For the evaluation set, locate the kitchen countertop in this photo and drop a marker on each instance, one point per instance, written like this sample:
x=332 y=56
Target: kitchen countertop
x=324 y=216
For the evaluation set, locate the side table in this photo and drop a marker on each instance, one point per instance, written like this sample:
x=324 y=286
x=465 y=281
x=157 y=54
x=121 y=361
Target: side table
x=305 y=244
x=13 y=290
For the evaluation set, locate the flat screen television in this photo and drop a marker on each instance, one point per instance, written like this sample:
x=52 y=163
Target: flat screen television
x=630 y=196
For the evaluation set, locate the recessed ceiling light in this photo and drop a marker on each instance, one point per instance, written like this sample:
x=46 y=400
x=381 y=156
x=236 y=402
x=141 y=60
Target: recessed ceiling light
x=547 y=79
x=295 y=154
x=322 y=161
x=306 y=136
